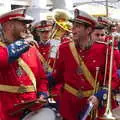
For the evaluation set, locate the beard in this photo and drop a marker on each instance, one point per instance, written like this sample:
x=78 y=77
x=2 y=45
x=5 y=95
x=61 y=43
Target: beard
x=17 y=32
x=78 y=39
x=17 y=36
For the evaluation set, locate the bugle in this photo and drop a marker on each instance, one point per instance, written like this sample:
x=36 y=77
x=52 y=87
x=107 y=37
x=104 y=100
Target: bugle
x=61 y=25
x=108 y=115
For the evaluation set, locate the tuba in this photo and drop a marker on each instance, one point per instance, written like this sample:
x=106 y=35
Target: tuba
x=61 y=25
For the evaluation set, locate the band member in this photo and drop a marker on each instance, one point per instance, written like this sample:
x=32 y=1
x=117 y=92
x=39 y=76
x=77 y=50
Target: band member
x=103 y=29
x=22 y=78
x=98 y=33
x=61 y=30
x=43 y=32
x=106 y=22
x=78 y=64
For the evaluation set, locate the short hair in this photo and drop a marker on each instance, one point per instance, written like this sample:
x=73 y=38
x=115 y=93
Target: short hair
x=99 y=27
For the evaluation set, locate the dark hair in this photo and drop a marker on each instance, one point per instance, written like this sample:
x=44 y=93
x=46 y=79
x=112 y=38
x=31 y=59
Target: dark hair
x=99 y=27
x=86 y=25
x=36 y=37
x=111 y=26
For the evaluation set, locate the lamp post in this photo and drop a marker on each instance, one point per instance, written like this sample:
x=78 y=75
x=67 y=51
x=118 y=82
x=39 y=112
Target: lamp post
x=106 y=8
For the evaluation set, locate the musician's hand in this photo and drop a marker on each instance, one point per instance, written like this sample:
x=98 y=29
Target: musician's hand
x=28 y=37
x=93 y=99
x=41 y=99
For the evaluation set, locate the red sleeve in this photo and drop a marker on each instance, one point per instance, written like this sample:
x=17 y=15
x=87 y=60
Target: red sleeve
x=3 y=57
x=117 y=58
x=115 y=79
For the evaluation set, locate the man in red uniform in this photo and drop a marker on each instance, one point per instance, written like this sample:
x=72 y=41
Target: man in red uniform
x=107 y=28
x=43 y=30
x=80 y=67
x=22 y=78
x=49 y=35
x=47 y=55
x=100 y=36
x=98 y=33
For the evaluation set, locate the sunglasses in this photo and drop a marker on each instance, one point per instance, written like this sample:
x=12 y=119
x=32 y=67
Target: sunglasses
x=99 y=34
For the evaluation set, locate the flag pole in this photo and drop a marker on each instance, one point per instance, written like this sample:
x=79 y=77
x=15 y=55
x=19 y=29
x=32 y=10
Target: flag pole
x=106 y=8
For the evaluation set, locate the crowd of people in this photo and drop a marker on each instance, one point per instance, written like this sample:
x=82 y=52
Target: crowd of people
x=71 y=62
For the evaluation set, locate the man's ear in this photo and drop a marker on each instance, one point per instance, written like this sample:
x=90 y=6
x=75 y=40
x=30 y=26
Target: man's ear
x=89 y=29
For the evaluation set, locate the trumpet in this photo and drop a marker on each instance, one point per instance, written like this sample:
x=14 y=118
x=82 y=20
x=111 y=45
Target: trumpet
x=106 y=66
x=94 y=112
x=108 y=115
x=61 y=25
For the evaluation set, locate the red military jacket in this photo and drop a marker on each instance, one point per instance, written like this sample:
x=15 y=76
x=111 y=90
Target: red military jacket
x=14 y=75
x=65 y=39
x=110 y=37
x=45 y=50
x=67 y=72
x=116 y=51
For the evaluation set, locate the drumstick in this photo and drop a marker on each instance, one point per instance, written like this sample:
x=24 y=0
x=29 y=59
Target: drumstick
x=33 y=101
x=29 y=104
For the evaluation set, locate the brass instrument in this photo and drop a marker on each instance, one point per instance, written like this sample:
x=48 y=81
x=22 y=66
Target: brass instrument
x=94 y=112
x=106 y=66
x=96 y=80
x=62 y=24
x=108 y=115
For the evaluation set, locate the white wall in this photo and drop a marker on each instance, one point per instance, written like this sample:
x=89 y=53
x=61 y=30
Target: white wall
x=22 y=2
x=38 y=9
x=5 y=6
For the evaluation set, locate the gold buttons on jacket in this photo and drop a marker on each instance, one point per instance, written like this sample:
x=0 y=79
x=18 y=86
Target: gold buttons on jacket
x=22 y=101
x=28 y=55
x=94 y=61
